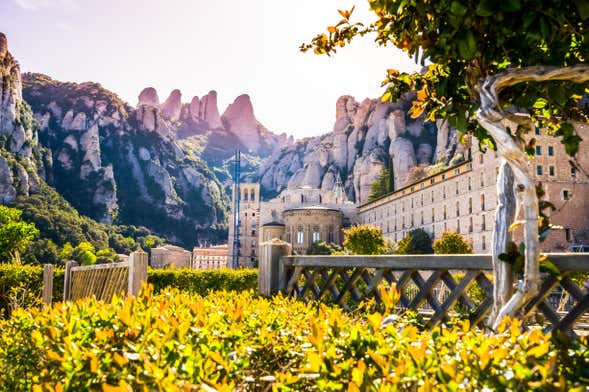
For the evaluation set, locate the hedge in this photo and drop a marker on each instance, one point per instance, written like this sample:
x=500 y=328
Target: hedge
x=176 y=340
x=21 y=285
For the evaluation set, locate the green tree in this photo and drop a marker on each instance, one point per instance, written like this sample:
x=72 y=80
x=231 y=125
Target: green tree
x=107 y=255
x=42 y=251
x=416 y=242
x=382 y=185
x=452 y=243
x=364 y=240
x=323 y=248
x=66 y=252
x=15 y=234
x=84 y=253
x=497 y=70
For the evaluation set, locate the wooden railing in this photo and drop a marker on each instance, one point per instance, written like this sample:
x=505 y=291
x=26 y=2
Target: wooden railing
x=439 y=286
x=101 y=280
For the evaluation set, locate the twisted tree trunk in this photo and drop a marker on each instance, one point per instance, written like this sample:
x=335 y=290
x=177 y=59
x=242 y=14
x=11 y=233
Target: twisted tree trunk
x=491 y=117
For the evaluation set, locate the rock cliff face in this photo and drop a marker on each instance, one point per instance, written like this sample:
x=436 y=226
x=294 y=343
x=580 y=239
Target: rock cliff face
x=22 y=160
x=367 y=137
x=117 y=163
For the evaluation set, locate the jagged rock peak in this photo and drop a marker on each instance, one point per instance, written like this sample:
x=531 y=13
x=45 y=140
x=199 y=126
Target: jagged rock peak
x=241 y=112
x=209 y=111
x=173 y=105
x=3 y=45
x=148 y=97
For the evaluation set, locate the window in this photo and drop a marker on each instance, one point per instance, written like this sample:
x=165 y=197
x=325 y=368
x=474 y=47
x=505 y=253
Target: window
x=433 y=215
x=412 y=220
x=300 y=235
x=253 y=232
x=537 y=131
x=432 y=180
x=252 y=195
x=538 y=150
x=288 y=236
x=539 y=170
x=456 y=171
x=484 y=243
x=482 y=180
x=422 y=217
x=412 y=189
x=470 y=205
x=246 y=214
x=551 y=170
x=330 y=237
x=403 y=221
x=244 y=196
x=566 y=195
x=443 y=176
x=573 y=171
x=458 y=226
x=457 y=208
x=432 y=196
x=444 y=192
x=457 y=187
x=469 y=183
x=412 y=205
x=550 y=151
x=316 y=234
x=445 y=214
x=422 y=199
x=481 y=159
x=470 y=225
x=568 y=235
x=483 y=223
x=253 y=214
x=433 y=231
x=482 y=202
x=302 y=199
x=421 y=185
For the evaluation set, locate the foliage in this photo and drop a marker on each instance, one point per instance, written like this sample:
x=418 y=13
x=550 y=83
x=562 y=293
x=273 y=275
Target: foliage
x=451 y=243
x=15 y=234
x=454 y=36
x=84 y=253
x=416 y=242
x=203 y=281
x=21 y=286
x=382 y=186
x=42 y=251
x=323 y=248
x=237 y=341
x=364 y=240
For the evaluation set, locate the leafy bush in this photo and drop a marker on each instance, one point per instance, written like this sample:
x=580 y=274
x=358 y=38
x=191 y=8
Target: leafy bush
x=203 y=281
x=323 y=248
x=452 y=243
x=237 y=341
x=22 y=285
x=364 y=240
x=415 y=242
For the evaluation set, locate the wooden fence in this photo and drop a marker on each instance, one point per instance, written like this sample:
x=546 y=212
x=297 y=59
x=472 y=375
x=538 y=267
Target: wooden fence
x=440 y=285
x=101 y=280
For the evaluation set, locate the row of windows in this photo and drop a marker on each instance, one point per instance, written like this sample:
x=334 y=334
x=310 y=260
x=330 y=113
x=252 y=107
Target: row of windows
x=315 y=235
x=552 y=170
x=550 y=150
x=372 y=219
x=387 y=228
x=402 y=235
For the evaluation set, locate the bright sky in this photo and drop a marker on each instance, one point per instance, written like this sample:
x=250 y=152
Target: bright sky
x=231 y=46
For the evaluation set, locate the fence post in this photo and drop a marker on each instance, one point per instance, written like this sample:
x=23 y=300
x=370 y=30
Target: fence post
x=47 y=284
x=270 y=269
x=67 y=280
x=137 y=271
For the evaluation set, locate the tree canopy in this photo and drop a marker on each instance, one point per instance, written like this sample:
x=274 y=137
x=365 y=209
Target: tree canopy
x=382 y=185
x=462 y=41
x=15 y=234
x=452 y=243
x=364 y=240
x=415 y=242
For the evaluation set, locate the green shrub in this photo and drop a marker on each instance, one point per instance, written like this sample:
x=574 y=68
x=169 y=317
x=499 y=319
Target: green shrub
x=22 y=285
x=203 y=281
x=237 y=341
x=364 y=240
x=452 y=243
x=416 y=242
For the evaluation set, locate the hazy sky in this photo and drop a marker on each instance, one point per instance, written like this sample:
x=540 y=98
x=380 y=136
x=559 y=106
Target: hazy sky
x=233 y=47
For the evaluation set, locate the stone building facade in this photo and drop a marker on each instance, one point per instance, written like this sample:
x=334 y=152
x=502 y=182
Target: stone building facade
x=212 y=257
x=463 y=198
x=170 y=256
x=304 y=215
x=249 y=218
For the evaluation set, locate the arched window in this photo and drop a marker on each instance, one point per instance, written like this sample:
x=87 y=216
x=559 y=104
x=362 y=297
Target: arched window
x=252 y=195
x=445 y=212
x=300 y=235
x=320 y=199
x=244 y=197
x=458 y=226
x=330 y=236
x=482 y=202
x=457 y=208
x=302 y=198
x=316 y=234
x=470 y=205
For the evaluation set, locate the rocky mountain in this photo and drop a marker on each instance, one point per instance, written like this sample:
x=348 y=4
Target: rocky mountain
x=367 y=137
x=23 y=163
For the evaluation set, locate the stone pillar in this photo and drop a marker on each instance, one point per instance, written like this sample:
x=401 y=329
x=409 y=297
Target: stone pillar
x=137 y=272
x=270 y=269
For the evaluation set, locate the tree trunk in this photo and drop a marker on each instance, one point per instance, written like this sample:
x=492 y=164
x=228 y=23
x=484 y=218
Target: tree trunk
x=491 y=117
x=504 y=217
